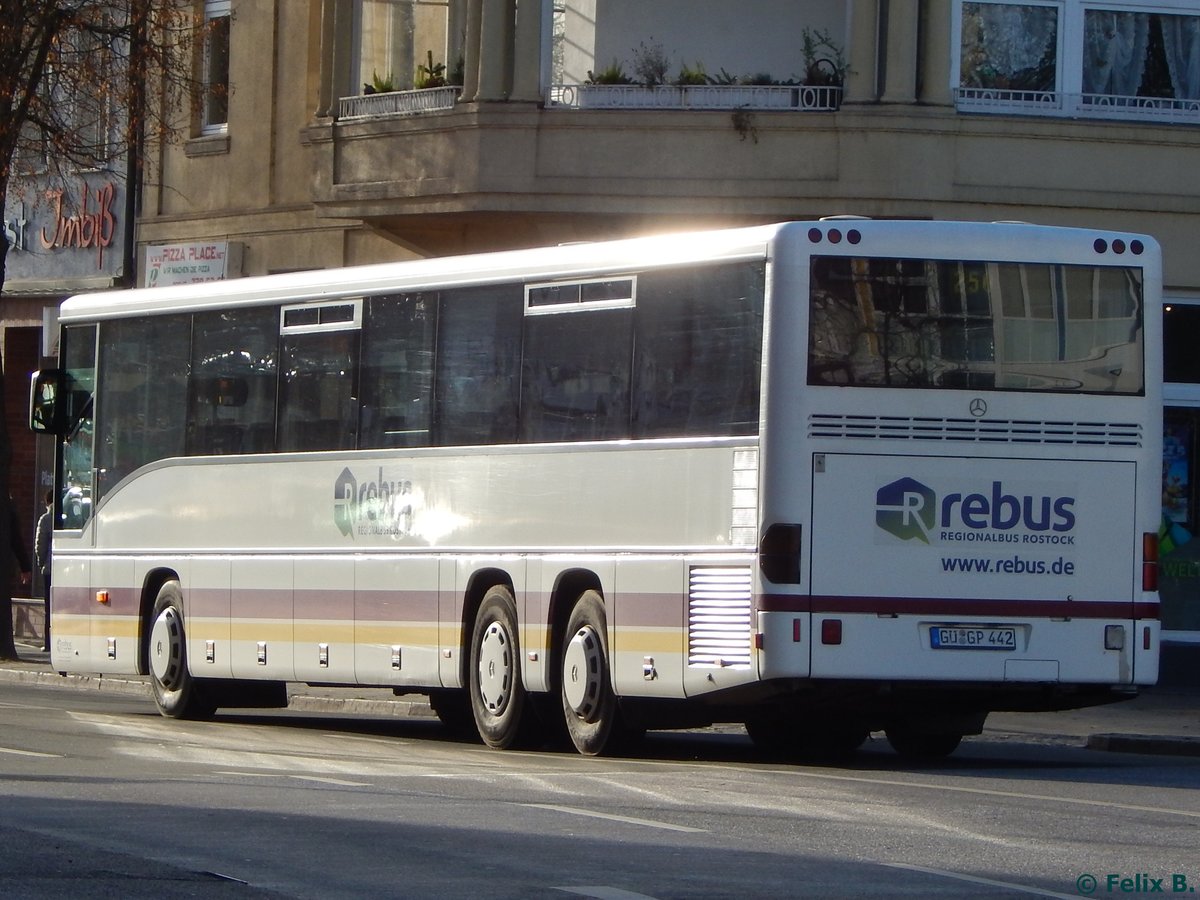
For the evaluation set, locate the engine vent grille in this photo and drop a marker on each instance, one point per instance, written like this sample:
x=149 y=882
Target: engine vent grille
x=999 y=431
x=719 y=617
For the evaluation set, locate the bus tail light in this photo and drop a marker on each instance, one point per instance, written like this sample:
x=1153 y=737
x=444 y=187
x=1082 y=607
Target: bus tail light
x=779 y=554
x=1150 y=561
x=831 y=631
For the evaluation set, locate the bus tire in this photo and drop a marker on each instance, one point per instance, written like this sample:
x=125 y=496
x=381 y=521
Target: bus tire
x=453 y=710
x=923 y=745
x=589 y=706
x=176 y=693
x=783 y=739
x=498 y=700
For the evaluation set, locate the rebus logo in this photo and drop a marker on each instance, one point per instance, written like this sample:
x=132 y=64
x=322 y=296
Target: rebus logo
x=911 y=510
x=906 y=508
x=345 y=491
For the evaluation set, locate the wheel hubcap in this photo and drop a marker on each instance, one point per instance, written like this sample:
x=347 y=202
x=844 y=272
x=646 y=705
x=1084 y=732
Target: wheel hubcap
x=495 y=668
x=166 y=648
x=582 y=672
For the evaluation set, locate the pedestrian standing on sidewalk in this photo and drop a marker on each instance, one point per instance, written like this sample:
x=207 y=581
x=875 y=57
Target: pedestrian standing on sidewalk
x=41 y=553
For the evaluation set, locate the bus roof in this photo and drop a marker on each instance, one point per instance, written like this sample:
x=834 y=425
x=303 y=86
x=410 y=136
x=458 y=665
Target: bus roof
x=538 y=264
x=574 y=260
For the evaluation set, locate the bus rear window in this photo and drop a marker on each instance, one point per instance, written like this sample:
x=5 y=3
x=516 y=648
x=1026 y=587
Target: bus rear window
x=920 y=323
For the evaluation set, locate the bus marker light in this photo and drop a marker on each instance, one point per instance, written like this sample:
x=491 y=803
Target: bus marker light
x=1114 y=637
x=758 y=640
x=1146 y=638
x=262 y=653
x=1150 y=561
x=796 y=630
x=112 y=648
x=395 y=656
x=102 y=596
x=831 y=631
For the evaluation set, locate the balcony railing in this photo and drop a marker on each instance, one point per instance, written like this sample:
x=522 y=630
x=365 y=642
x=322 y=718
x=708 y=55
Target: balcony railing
x=1079 y=106
x=398 y=103
x=823 y=98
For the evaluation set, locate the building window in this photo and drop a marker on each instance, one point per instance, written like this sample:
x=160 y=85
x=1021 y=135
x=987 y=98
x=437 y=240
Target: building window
x=1009 y=47
x=1079 y=58
x=383 y=45
x=215 y=74
x=1181 y=326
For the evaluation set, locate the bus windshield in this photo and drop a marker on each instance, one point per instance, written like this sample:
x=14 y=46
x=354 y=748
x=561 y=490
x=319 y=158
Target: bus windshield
x=923 y=323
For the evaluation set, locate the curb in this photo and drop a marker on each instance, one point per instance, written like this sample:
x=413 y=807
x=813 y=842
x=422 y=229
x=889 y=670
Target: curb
x=82 y=682
x=298 y=698
x=1141 y=743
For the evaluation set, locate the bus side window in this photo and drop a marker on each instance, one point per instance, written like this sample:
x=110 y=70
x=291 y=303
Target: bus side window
x=699 y=349
x=78 y=447
x=141 y=405
x=317 y=406
x=396 y=384
x=231 y=394
x=575 y=376
x=478 y=365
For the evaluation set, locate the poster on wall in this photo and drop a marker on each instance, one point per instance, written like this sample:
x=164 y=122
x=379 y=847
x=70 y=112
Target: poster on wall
x=191 y=263
x=1177 y=454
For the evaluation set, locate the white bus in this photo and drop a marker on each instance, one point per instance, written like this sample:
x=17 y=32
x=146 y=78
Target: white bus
x=824 y=478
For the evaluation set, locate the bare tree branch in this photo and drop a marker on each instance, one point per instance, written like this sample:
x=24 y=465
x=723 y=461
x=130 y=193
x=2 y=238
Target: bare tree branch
x=74 y=94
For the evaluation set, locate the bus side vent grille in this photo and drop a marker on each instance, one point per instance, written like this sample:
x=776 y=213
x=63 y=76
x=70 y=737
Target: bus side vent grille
x=719 y=617
x=998 y=431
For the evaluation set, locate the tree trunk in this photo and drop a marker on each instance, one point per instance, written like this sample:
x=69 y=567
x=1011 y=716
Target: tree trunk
x=7 y=648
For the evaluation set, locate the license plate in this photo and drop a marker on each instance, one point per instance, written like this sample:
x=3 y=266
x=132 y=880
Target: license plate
x=970 y=637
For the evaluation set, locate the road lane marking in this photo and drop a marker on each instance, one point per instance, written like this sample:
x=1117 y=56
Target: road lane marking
x=942 y=787
x=16 y=752
x=604 y=892
x=989 y=882
x=629 y=820
x=335 y=781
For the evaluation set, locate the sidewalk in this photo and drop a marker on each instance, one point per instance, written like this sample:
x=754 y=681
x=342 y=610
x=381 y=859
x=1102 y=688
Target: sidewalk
x=1160 y=720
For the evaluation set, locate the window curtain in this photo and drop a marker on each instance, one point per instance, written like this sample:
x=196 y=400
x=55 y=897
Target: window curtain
x=1006 y=45
x=1181 y=41
x=1114 y=52
x=384 y=31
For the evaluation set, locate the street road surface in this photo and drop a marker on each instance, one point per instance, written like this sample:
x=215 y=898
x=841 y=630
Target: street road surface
x=103 y=797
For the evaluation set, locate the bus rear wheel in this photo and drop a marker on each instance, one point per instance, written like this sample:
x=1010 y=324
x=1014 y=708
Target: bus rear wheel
x=590 y=709
x=923 y=745
x=176 y=693
x=498 y=701
x=781 y=737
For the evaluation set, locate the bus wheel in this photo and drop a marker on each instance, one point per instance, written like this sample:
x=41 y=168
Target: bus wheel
x=498 y=701
x=453 y=710
x=786 y=740
x=176 y=692
x=589 y=705
x=923 y=744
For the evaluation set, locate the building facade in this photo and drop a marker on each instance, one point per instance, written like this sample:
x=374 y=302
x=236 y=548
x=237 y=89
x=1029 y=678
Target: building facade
x=339 y=132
